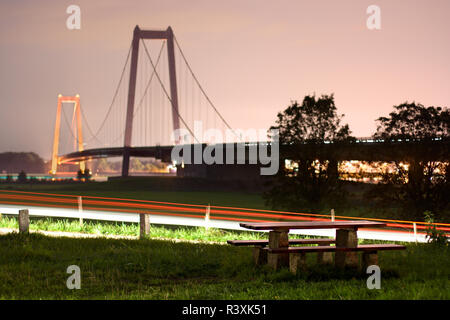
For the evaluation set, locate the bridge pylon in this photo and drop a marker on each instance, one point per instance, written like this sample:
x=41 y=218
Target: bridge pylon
x=78 y=136
x=139 y=34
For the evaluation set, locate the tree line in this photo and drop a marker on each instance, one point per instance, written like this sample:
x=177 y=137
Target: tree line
x=14 y=162
x=420 y=186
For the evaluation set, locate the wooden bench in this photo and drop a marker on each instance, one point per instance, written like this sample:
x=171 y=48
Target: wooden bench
x=260 y=256
x=297 y=255
x=346 y=236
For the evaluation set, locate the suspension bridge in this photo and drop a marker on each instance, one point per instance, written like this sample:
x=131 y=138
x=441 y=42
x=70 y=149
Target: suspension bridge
x=148 y=115
x=158 y=108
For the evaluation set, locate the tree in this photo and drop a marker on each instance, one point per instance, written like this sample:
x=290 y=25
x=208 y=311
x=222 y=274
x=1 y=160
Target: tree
x=136 y=165
x=80 y=175
x=87 y=174
x=22 y=177
x=414 y=122
x=424 y=184
x=312 y=177
x=103 y=165
x=16 y=161
x=84 y=176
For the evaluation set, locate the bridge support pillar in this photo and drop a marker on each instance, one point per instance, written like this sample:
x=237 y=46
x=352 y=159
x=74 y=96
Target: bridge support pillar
x=78 y=136
x=130 y=103
x=125 y=162
x=139 y=34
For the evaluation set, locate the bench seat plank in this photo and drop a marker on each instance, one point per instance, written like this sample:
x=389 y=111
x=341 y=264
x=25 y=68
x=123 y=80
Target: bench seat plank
x=312 y=225
x=262 y=243
x=363 y=247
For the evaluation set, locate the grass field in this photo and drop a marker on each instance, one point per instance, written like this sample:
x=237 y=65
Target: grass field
x=34 y=267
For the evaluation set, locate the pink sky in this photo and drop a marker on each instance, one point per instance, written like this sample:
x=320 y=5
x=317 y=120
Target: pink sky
x=252 y=57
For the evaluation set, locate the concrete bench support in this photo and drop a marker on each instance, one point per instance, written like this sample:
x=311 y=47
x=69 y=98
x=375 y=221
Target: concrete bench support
x=24 y=221
x=278 y=239
x=259 y=256
x=324 y=257
x=297 y=259
x=297 y=262
x=144 y=225
x=346 y=238
x=369 y=258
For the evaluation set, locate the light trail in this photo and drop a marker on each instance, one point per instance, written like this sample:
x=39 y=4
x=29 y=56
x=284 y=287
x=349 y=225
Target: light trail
x=244 y=210
x=112 y=206
x=227 y=223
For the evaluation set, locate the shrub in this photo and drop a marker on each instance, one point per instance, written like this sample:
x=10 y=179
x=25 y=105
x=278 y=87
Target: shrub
x=22 y=178
x=434 y=235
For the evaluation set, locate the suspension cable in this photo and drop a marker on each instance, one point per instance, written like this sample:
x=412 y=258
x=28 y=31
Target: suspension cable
x=88 y=127
x=166 y=94
x=114 y=97
x=149 y=81
x=69 y=125
x=144 y=94
x=201 y=88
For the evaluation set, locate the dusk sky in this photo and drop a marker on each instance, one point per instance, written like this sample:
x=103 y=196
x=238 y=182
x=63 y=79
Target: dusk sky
x=252 y=57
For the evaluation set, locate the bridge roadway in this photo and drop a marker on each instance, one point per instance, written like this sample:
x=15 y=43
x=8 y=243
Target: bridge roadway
x=159 y=152
x=364 y=150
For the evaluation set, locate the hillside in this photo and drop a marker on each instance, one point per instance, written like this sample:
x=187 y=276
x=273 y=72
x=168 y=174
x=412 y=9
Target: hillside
x=14 y=162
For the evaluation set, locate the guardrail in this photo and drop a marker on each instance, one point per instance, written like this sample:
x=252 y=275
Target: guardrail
x=184 y=210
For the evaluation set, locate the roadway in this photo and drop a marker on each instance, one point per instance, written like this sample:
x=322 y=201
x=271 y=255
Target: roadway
x=360 y=149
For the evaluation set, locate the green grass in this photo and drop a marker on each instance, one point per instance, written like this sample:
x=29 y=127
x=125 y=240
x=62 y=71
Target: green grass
x=34 y=267
x=131 y=229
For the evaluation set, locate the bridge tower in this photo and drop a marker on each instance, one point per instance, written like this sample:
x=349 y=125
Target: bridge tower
x=79 y=134
x=139 y=34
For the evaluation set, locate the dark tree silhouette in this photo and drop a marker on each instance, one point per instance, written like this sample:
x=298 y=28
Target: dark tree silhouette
x=84 y=176
x=414 y=122
x=87 y=174
x=425 y=184
x=16 y=161
x=311 y=180
x=22 y=177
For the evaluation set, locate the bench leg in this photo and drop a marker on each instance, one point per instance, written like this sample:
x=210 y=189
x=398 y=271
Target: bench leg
x=325 y=257
x=259 y=256
x=369 y=258
x=297 y=261
x=278 y=239
x=346 y=238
